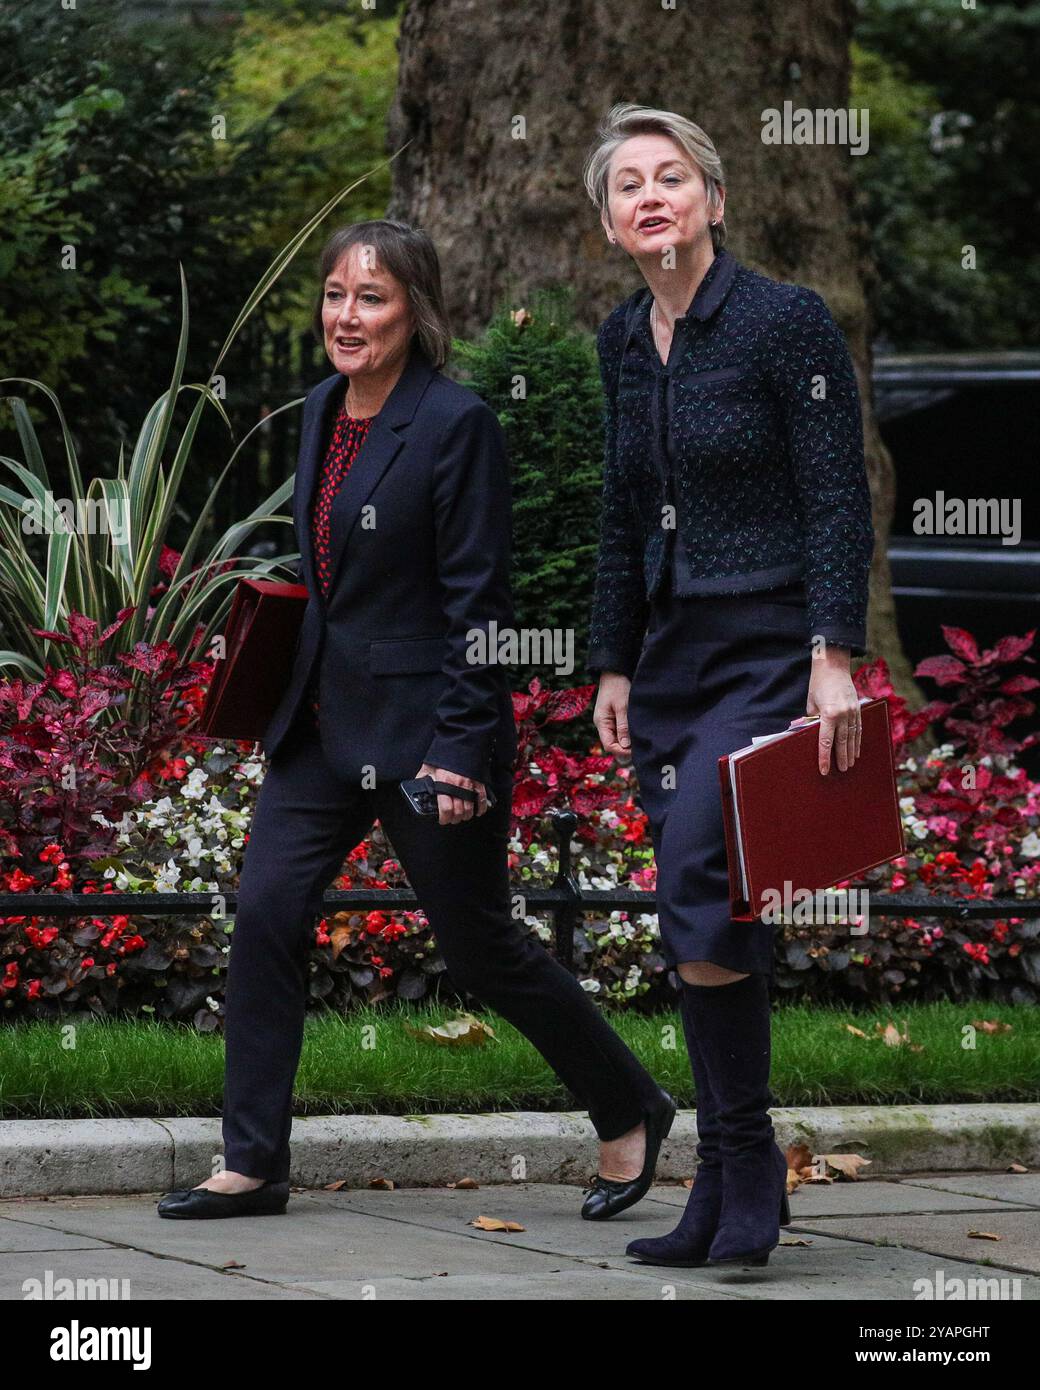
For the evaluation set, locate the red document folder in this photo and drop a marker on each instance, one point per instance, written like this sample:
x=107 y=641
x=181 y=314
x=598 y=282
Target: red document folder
x=260 y=640
x=785 y=822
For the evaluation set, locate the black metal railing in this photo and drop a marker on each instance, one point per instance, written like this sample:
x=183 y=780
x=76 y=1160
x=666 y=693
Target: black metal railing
x=564 y=899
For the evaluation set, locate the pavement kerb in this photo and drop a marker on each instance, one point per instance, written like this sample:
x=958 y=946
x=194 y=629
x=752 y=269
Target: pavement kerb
x=49 y=1158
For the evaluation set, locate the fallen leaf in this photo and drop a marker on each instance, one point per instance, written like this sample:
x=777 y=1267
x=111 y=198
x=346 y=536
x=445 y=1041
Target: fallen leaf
x=858 y=1031
x=338 y=938
x=797 y=1240
x=892 y=1037
x=492 y=1223
x=335 y=1186
x=382 y=1184
x=465 y=1030
x=469 y=1184
x=848 y=1165
x=989 y=1025
x=798 y=1156
x=1016 y=1168
x=984 y=1235
x=232 y=1264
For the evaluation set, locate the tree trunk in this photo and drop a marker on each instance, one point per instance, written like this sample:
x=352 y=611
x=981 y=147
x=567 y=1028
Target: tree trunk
x=511 y=214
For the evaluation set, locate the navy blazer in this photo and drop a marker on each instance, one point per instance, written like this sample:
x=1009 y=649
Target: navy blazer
x=420 y=542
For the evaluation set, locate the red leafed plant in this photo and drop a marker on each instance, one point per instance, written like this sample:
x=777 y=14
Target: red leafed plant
x=548 y=777
x=67 y=753
x=986 y=699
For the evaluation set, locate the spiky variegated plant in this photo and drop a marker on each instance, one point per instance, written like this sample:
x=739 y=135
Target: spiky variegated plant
x=100 y=572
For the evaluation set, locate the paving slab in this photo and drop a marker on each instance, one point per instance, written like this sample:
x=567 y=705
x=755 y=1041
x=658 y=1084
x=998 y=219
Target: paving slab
x=418 y=1244
x=890 y=1195
x=948 y=1235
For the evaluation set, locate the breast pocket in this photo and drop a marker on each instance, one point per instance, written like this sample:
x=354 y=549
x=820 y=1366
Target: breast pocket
x=695 y=380
x=401 y=656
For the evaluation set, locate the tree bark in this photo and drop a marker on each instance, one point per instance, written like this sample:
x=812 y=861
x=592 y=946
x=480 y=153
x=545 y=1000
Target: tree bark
x=511 y=214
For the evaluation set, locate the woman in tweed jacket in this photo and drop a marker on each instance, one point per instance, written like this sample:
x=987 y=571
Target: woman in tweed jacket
x=731 y=592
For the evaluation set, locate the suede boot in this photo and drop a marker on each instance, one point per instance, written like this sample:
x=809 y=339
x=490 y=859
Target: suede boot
x=732 y=1026
x=687 y=1245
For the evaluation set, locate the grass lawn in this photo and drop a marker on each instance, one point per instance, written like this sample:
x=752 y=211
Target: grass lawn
x=368 y=1063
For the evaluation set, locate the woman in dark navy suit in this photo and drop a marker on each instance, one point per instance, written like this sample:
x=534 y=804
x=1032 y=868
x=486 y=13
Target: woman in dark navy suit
x=405 y=536
x=730 y=594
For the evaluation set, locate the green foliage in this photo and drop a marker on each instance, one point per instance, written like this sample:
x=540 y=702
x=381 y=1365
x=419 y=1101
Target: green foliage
x=321 y=90
x=103 y=549
x=113 y=175
x=539 y=373
x=954 y=125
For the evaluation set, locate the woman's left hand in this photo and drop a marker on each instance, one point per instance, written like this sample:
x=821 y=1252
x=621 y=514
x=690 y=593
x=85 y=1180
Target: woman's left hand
x=452 y=810
x=835 y=699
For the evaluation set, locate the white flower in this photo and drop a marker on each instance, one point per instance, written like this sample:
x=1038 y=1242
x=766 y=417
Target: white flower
x=192 y=786
x=1030 y=846
x=167 y=878
x=590 y=986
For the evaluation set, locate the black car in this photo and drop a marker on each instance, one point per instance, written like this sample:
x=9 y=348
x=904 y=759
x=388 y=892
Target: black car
x=962 y=427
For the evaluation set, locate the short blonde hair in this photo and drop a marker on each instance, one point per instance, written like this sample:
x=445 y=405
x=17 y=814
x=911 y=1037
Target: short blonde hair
x=625 y=120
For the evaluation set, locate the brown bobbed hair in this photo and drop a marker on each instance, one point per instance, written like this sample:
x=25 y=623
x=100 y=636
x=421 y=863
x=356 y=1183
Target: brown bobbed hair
x=409 y=255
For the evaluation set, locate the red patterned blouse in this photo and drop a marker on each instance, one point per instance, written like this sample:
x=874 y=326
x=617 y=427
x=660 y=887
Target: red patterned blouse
x=348 y=435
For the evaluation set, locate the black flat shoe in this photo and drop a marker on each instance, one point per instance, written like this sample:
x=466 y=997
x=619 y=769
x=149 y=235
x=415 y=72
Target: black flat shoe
x=608 y=1196
x=190 y=1203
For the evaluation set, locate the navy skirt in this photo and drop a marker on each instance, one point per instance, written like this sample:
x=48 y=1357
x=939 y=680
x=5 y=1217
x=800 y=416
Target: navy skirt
x=714 y=671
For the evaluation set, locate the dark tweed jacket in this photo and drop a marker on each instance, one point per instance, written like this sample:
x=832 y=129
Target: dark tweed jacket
x=752 y=432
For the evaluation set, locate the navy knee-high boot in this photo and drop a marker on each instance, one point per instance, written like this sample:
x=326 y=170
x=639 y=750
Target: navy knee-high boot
x=687 y=1245
x=732 y=1026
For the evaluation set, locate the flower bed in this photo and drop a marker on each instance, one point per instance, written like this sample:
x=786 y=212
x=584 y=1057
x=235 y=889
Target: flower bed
x=150 y=808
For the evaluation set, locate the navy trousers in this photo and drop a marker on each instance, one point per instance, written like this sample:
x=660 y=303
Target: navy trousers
x=714 y=671
x=306 y=822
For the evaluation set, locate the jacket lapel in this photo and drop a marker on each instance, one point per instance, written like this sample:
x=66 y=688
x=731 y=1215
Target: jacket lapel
x=381 y=446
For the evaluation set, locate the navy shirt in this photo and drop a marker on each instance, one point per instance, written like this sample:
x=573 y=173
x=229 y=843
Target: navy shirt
x=752 y=432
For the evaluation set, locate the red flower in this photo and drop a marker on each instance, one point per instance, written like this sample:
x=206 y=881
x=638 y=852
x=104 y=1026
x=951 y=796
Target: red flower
x=19 y=882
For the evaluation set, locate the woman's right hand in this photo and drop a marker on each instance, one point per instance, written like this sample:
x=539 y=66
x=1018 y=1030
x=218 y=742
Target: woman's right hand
x=611 y=714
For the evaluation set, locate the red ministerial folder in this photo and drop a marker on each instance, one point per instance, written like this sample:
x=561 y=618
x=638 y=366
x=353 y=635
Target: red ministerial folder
x=260 y=643
x=786 y=822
